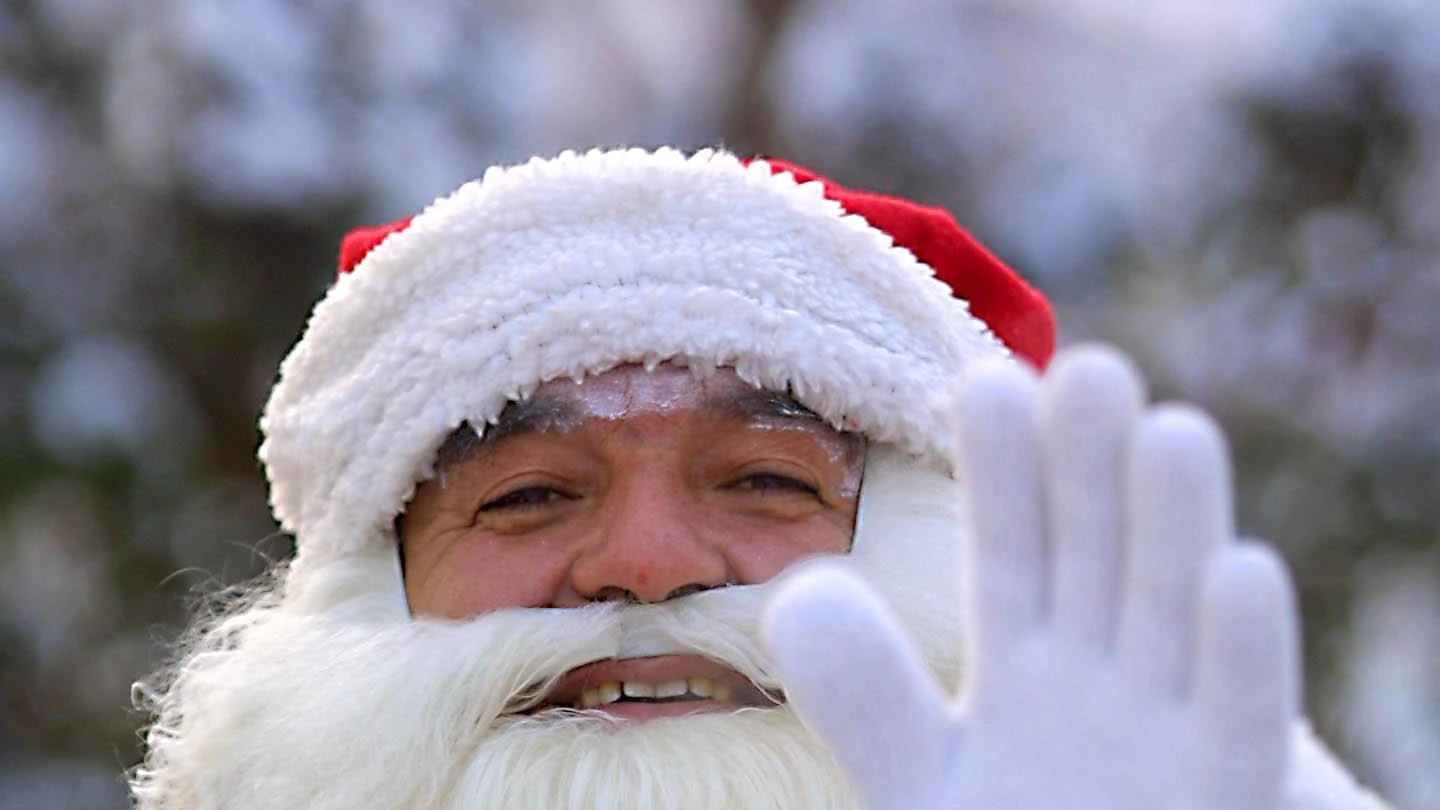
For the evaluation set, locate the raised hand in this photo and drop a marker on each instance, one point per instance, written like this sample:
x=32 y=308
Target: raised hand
x=1124 y=651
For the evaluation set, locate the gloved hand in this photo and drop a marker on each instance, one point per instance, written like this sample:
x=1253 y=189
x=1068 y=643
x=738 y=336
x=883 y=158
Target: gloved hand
x=1124 y=651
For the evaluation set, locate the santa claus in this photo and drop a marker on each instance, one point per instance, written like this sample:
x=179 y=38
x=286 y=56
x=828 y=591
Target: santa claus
x=638 y=479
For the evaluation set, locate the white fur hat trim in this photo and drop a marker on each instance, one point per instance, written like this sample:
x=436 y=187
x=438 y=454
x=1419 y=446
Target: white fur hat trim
x=570 y=266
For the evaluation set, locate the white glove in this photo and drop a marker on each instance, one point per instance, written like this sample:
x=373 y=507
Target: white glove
x=1124 y=651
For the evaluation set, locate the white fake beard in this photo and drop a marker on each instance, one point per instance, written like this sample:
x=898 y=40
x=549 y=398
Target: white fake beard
x=323 y=711
x=322 y=692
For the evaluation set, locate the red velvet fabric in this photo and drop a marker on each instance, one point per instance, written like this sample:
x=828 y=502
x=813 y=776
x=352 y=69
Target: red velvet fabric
x=1016 y=312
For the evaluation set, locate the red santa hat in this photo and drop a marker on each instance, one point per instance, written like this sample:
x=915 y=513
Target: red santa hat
x=867 y=308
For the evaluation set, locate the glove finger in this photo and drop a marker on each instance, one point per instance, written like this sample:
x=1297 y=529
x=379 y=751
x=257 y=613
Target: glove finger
x=1178 y=514
x=1247 y=686
x=1008 y=571
x=853 y=675
x=1091 y=399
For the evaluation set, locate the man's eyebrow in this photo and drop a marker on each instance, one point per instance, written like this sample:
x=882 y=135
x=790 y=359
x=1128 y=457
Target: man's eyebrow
x=462 y=442
x=548 y=410
x=751 y=403
x=541 y=411
x=537 y=414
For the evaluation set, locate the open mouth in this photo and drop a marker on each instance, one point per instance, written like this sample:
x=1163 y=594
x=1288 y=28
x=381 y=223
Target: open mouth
x=643 y=688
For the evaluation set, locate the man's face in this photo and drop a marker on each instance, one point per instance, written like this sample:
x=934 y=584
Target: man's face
x=633 y=485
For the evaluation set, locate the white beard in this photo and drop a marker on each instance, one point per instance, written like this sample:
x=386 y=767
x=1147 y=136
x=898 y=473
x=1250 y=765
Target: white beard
x=321 y=692
x=285 y=708
x=755 y=758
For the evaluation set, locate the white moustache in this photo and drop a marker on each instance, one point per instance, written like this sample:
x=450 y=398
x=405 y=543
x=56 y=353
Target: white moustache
x=326 y=712
x=667 y=628
x=722 y=624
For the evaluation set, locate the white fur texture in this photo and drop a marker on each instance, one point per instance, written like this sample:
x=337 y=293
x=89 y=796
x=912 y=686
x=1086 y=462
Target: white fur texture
x=320 y=691
x=570 y=266
x=277 y=707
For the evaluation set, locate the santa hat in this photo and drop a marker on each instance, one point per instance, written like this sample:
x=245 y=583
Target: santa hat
x=866 y=308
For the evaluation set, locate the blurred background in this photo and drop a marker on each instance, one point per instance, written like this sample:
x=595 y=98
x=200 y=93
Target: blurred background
x=1245 y=195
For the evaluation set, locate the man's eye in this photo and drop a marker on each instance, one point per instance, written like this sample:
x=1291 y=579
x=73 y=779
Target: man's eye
x=527 y=497
x=770 y=482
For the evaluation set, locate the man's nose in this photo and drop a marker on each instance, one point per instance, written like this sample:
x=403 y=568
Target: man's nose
x=649 y=546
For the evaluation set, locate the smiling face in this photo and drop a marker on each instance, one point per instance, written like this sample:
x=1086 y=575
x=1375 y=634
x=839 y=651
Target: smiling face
x=633 y=485
x=507 y=684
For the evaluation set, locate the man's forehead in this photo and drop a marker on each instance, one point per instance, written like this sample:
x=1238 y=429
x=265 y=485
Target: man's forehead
x=629 y=391
x=632 y=390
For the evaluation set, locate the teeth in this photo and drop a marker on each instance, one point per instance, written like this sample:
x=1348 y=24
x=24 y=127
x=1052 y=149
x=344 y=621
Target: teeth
x=604 y=693
x=700 y=687
x=636 y=689
x=607 y=692
x=671 y=689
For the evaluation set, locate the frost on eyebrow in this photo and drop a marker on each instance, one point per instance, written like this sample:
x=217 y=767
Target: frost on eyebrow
x=563 y=405
x=540 y=413
x=772 y=410
x=462 y=442
x=763 y=408
x=543 y=411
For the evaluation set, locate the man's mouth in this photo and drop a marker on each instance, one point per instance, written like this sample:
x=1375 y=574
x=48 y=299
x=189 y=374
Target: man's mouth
x=659 y=686
x=676 y=691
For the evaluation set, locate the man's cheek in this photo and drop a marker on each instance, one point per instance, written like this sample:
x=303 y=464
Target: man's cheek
x=479 y=576
x=761 y=559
